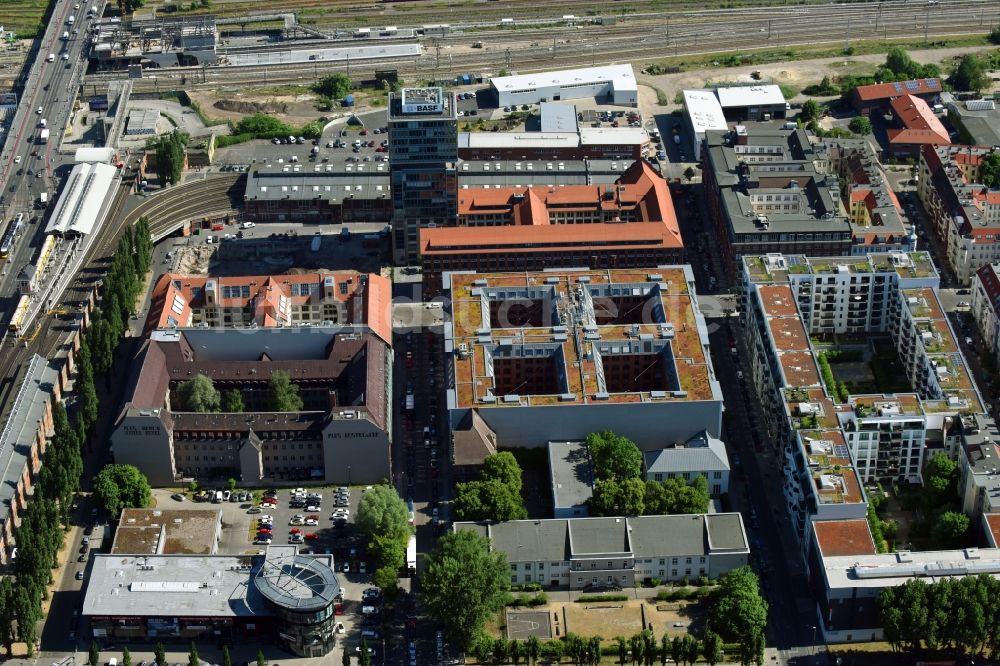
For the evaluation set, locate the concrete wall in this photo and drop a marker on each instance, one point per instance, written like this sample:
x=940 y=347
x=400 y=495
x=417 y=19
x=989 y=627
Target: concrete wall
x=355 y=451
x=650 y=425
x=143 y=441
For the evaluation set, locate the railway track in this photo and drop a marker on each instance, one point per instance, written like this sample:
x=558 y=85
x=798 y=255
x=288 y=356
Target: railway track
x=184 y=202
x=684 y=34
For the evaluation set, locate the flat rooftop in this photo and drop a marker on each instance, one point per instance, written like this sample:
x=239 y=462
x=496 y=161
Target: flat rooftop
x=752 y=95
x=167 y=532
x=891 y=569
x=165 y=585
x=571 y=473
x=416 y=104
x=831 y=468
x=782 y=268
x=575 y=337
x=703 y=108
x=843 y=537
x=622 y=77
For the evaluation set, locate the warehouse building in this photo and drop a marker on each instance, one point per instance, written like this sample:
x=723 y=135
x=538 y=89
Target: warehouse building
x=602 y=553
x=612 y=84
x=753 y=103
x=282 y=596
x=555 y=355
x=607 y=143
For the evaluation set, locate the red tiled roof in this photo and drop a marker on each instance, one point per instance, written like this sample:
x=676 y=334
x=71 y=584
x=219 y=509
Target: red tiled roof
x=993 y=523
x=844 y=537
x=920 y=125
x=891 y=90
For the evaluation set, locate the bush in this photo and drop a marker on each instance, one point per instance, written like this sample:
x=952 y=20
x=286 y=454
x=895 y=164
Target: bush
x=538 y=600
x=592 y=598
x=654 y=582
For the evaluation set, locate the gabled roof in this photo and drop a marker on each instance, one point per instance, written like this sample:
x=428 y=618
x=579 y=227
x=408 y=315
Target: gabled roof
x=702 y=453
x=897 y=89
x=920 y=124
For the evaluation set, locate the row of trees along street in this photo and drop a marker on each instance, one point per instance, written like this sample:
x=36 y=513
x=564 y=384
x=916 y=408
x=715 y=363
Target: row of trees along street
x=46 y=519
x=466 y=584
x=384 y=521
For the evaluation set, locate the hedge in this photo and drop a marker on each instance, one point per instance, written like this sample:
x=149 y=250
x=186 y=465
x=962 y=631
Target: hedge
x=591 y=598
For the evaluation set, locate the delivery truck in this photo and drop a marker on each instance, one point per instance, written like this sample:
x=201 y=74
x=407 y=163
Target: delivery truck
x=43 y=136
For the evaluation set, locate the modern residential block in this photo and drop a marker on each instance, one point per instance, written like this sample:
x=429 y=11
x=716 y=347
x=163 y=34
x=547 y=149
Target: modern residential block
x=556 y=355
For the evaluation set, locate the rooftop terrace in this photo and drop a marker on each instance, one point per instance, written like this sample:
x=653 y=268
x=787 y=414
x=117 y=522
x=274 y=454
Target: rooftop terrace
x=577 y=336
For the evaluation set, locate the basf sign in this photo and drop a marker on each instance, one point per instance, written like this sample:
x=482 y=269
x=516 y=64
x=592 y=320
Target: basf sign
x=422 y=100
x=423 y=108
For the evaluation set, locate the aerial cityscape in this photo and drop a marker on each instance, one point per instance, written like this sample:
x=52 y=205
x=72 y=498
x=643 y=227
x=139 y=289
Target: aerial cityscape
x=426 y=332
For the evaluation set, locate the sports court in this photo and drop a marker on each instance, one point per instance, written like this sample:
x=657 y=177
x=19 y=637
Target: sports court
x=522 y=624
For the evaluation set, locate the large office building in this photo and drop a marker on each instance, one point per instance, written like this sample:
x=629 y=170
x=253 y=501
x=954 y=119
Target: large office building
x=765 y=194
x=964 y=213
x=423 y=151
x=775 y=191
x=341 y=434
x=832 y=447
x=324 y=194
x=628 y=224
x=611 y=84
x=282 y=596
x=583 y=553
x=556 y=355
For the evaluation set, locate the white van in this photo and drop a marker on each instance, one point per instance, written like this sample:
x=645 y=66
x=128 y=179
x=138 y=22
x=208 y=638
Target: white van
x=66 y=35
x=51 y=58
x=42 y=122
x=218 y=493
x=113 y=661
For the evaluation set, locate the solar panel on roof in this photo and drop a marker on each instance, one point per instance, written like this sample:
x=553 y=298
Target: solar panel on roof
x=931 y=83
x=899 y=88
x=912 y=85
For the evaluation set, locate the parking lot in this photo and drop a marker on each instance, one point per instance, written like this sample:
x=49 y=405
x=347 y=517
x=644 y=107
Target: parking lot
x=239 y=528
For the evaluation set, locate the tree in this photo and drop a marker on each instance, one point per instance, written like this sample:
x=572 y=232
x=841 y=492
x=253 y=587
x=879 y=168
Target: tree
x=336 y=86
x=940 y=481
x=664 y=650
x=614 y=457
x=989 y=169
x=160 y=655
x=198 y=394
x=738 y=611
x=622 y=648
x=7 y=614
x=465 y=583
x=502 y=466
x=487 y=500
x=346 y=661
x=809 y=111
x=387 y=580
x=382 y=512
x=261 y=660
x=618 y=498
x=169 y=150
x=262 y=126
x=232 y=401
x=970 y=74
x=119 y=486
x=284 y=394
x=860 y=125
x=532 y=649
x=691 y=648
x=711 y=647
x=95 y=655
x=949 y=529
x=193 y=659
x=899 y=63
x=689 y=173
x=365 y=659
x=388 y=550
x=126 y=657
x=227 y=659
x=87 y=403
x=677 y=649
